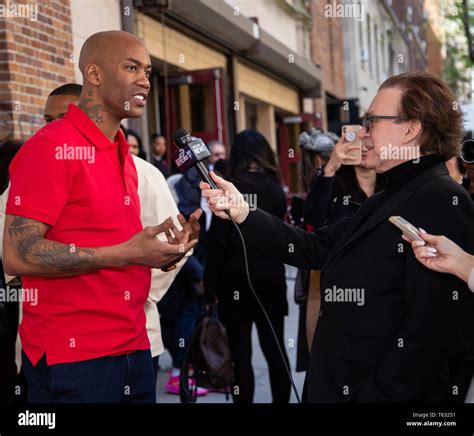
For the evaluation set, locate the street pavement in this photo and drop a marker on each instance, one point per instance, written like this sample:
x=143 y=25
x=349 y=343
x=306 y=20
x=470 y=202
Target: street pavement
x=262 y=382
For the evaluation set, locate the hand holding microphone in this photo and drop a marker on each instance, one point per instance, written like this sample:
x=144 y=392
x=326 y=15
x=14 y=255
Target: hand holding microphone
x=225 y=199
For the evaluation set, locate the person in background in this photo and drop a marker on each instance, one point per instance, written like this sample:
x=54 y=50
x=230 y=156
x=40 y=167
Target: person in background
x=218 y=152
x=337 y=190
x=254 y=169
x=8 y=150
x=59 y=100
x=158 y=153
x=458 y=172
x=180 y=310
x=316 y=148
x=10 y=376
x=136 y=147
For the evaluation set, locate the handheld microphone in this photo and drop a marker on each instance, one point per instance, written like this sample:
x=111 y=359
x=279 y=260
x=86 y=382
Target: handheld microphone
x=192 y=153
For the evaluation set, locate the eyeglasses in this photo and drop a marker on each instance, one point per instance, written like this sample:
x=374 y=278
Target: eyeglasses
x=366 y=120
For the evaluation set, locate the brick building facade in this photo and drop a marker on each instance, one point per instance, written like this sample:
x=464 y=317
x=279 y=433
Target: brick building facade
x=35 y=56
x=327 y=51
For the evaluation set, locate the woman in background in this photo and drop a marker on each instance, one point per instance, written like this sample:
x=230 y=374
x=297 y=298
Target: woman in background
x=135 y=142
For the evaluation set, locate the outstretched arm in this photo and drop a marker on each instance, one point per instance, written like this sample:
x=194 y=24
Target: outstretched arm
x=265 y=233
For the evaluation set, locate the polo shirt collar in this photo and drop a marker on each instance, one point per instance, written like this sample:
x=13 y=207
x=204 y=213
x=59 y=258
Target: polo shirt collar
x=87 y=127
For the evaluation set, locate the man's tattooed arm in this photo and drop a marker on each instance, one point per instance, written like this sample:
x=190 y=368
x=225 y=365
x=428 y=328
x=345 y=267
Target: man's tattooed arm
x=26 y=252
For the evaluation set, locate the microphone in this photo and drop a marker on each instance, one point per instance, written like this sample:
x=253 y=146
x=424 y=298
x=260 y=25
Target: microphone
x=192 y=153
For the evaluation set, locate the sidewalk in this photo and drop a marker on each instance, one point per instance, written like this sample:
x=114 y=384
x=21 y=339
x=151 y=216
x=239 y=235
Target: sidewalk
x=262 y=383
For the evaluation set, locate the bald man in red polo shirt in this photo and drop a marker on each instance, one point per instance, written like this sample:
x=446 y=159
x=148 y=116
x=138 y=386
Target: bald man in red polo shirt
x=73 y=232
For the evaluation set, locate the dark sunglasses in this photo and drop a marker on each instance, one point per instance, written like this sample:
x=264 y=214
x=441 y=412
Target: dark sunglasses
x=367 y=120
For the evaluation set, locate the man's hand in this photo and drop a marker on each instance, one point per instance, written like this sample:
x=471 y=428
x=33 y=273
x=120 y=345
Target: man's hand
x=228 y=198
x=146 y=249
x=192 y=226
x=189 y=230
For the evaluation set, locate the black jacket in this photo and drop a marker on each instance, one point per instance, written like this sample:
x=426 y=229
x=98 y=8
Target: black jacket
x=400 y=343
x=225 y=268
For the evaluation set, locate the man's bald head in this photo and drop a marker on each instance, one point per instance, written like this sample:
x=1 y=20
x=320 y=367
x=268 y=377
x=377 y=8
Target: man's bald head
x=102 y=47
x=116 y=68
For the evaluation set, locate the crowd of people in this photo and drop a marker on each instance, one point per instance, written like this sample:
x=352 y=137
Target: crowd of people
x=127 y=254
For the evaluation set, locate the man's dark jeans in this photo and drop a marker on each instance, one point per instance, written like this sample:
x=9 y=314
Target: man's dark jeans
x=128 y=378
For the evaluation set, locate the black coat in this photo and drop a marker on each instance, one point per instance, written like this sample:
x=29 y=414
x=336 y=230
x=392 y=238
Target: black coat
x=400 y=344
x=225 y=268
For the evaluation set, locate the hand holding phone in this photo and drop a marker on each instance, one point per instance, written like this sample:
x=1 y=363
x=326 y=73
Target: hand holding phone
x=354 y=150
x=409 y=230
x=347 y=151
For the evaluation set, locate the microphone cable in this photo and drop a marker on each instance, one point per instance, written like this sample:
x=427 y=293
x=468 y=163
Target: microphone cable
x=262 y=308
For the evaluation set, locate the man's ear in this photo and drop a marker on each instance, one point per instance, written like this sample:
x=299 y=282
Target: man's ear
x=92 y=74
x=413 y=131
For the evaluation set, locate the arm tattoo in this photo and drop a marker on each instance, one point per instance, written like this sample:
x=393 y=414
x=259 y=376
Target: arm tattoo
x=30 y=246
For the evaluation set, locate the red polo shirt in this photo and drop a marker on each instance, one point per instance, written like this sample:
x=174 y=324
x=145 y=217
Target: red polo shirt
x=68 y=176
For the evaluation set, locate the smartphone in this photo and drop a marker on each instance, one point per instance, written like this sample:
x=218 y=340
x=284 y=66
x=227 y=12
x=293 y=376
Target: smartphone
x=409 y=230
x=351 y=134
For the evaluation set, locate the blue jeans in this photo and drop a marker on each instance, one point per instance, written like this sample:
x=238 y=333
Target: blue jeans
x=128 y=378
